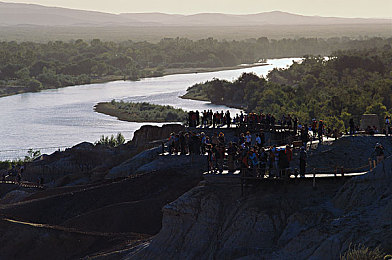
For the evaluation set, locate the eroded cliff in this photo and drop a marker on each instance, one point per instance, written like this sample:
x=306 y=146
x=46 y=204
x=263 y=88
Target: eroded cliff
x=276 y=220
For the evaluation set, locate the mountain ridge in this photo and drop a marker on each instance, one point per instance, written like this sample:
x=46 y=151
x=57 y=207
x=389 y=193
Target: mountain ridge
x=14 y=14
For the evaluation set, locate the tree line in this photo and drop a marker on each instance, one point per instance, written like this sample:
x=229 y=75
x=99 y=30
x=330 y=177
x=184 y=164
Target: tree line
x=344 y=86
x=57 y=63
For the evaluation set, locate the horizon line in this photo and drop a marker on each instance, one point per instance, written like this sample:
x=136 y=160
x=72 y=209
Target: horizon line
x=196 y=13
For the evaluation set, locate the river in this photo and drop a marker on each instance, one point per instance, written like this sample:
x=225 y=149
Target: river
x=54 y=119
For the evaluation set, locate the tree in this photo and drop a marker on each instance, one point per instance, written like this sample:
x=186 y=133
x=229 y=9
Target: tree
x=379 y=109
x=23 y=74
x=34 y=84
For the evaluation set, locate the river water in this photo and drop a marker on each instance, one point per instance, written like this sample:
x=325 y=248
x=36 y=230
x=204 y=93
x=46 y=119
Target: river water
x=54 y=119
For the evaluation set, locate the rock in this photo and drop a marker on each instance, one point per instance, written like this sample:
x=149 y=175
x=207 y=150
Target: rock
x=149 y=133
x=350 y=152
x=277 y=222
x=329 y=249
x=14 y=197
x=130 y=166
x=188 y=164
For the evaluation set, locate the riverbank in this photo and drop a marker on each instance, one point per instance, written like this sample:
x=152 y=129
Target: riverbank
x=174 y=71
x=197 y=92
x=141 y=112
x=9 y=90
x=70 y=111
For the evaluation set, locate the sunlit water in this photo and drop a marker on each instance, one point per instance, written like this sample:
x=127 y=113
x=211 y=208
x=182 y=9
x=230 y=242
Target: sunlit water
x=53 y=119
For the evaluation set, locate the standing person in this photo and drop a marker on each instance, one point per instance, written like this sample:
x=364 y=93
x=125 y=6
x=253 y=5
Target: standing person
x=241 y=118
x=270 y=162
x=220 y=155
x=176 y=143
x=182 y=143
x=210 y=158
x=263 y=158
x=314 y=128
x=302 y=162
x=352 y=126
x=275 y=151
x=295 y=127
x=305 y=135
x=197 y=118
x=231 y=153
x=379 y=151
x=228 y=119
x=241 y=139
x=262 y=138
x=193 y=119
x=253 y=161
x=203 y=140
x=248 y=138
x=258 y=141
x=320 y=131
x=289 y=155
x=187 y=143
x=214 y=139
x=244 y=159
x=283 y=163
x=387 y=123
x=221 y=138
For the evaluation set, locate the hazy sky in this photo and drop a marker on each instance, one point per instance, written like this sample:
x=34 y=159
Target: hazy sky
x=338 y=8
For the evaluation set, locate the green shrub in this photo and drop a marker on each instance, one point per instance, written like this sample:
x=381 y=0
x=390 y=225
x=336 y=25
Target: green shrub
x=112 y=141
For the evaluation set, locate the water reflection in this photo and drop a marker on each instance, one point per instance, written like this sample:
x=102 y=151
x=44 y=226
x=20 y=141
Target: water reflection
x=65 y=117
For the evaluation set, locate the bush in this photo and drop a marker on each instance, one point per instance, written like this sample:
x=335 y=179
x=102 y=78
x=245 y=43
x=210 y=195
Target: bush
x=111 y=141
x=361 y=252
x=32 y=155
x=120 y=139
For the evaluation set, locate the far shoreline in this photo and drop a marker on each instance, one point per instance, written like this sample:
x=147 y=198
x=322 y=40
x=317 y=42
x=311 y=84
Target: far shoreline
x=112 y=78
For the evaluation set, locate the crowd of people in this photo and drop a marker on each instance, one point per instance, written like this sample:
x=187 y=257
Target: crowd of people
x=245 y=152
x=15 y=174
x=250 y=152
x=253 y=121
x=260 y=121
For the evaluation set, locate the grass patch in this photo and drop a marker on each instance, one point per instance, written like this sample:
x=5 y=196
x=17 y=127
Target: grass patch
x=141 y=112
x=361 y=252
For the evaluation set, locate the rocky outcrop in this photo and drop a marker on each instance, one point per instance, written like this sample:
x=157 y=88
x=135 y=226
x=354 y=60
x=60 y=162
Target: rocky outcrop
x=196 y=164
x=149 y=133
x=277 y=221
x=350 y=152
x=89 y=218
x=151 y=160
x=130 y=166
x=80 y=159
x=14 y=196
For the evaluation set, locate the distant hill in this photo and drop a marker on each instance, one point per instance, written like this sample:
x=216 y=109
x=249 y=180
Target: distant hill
x=14 y=14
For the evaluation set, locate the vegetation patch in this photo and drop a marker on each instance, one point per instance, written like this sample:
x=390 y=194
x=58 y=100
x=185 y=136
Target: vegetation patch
x=361 y=252
x=112 y=141
x=347 y=85
x=30 y=66
x=141 y=112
